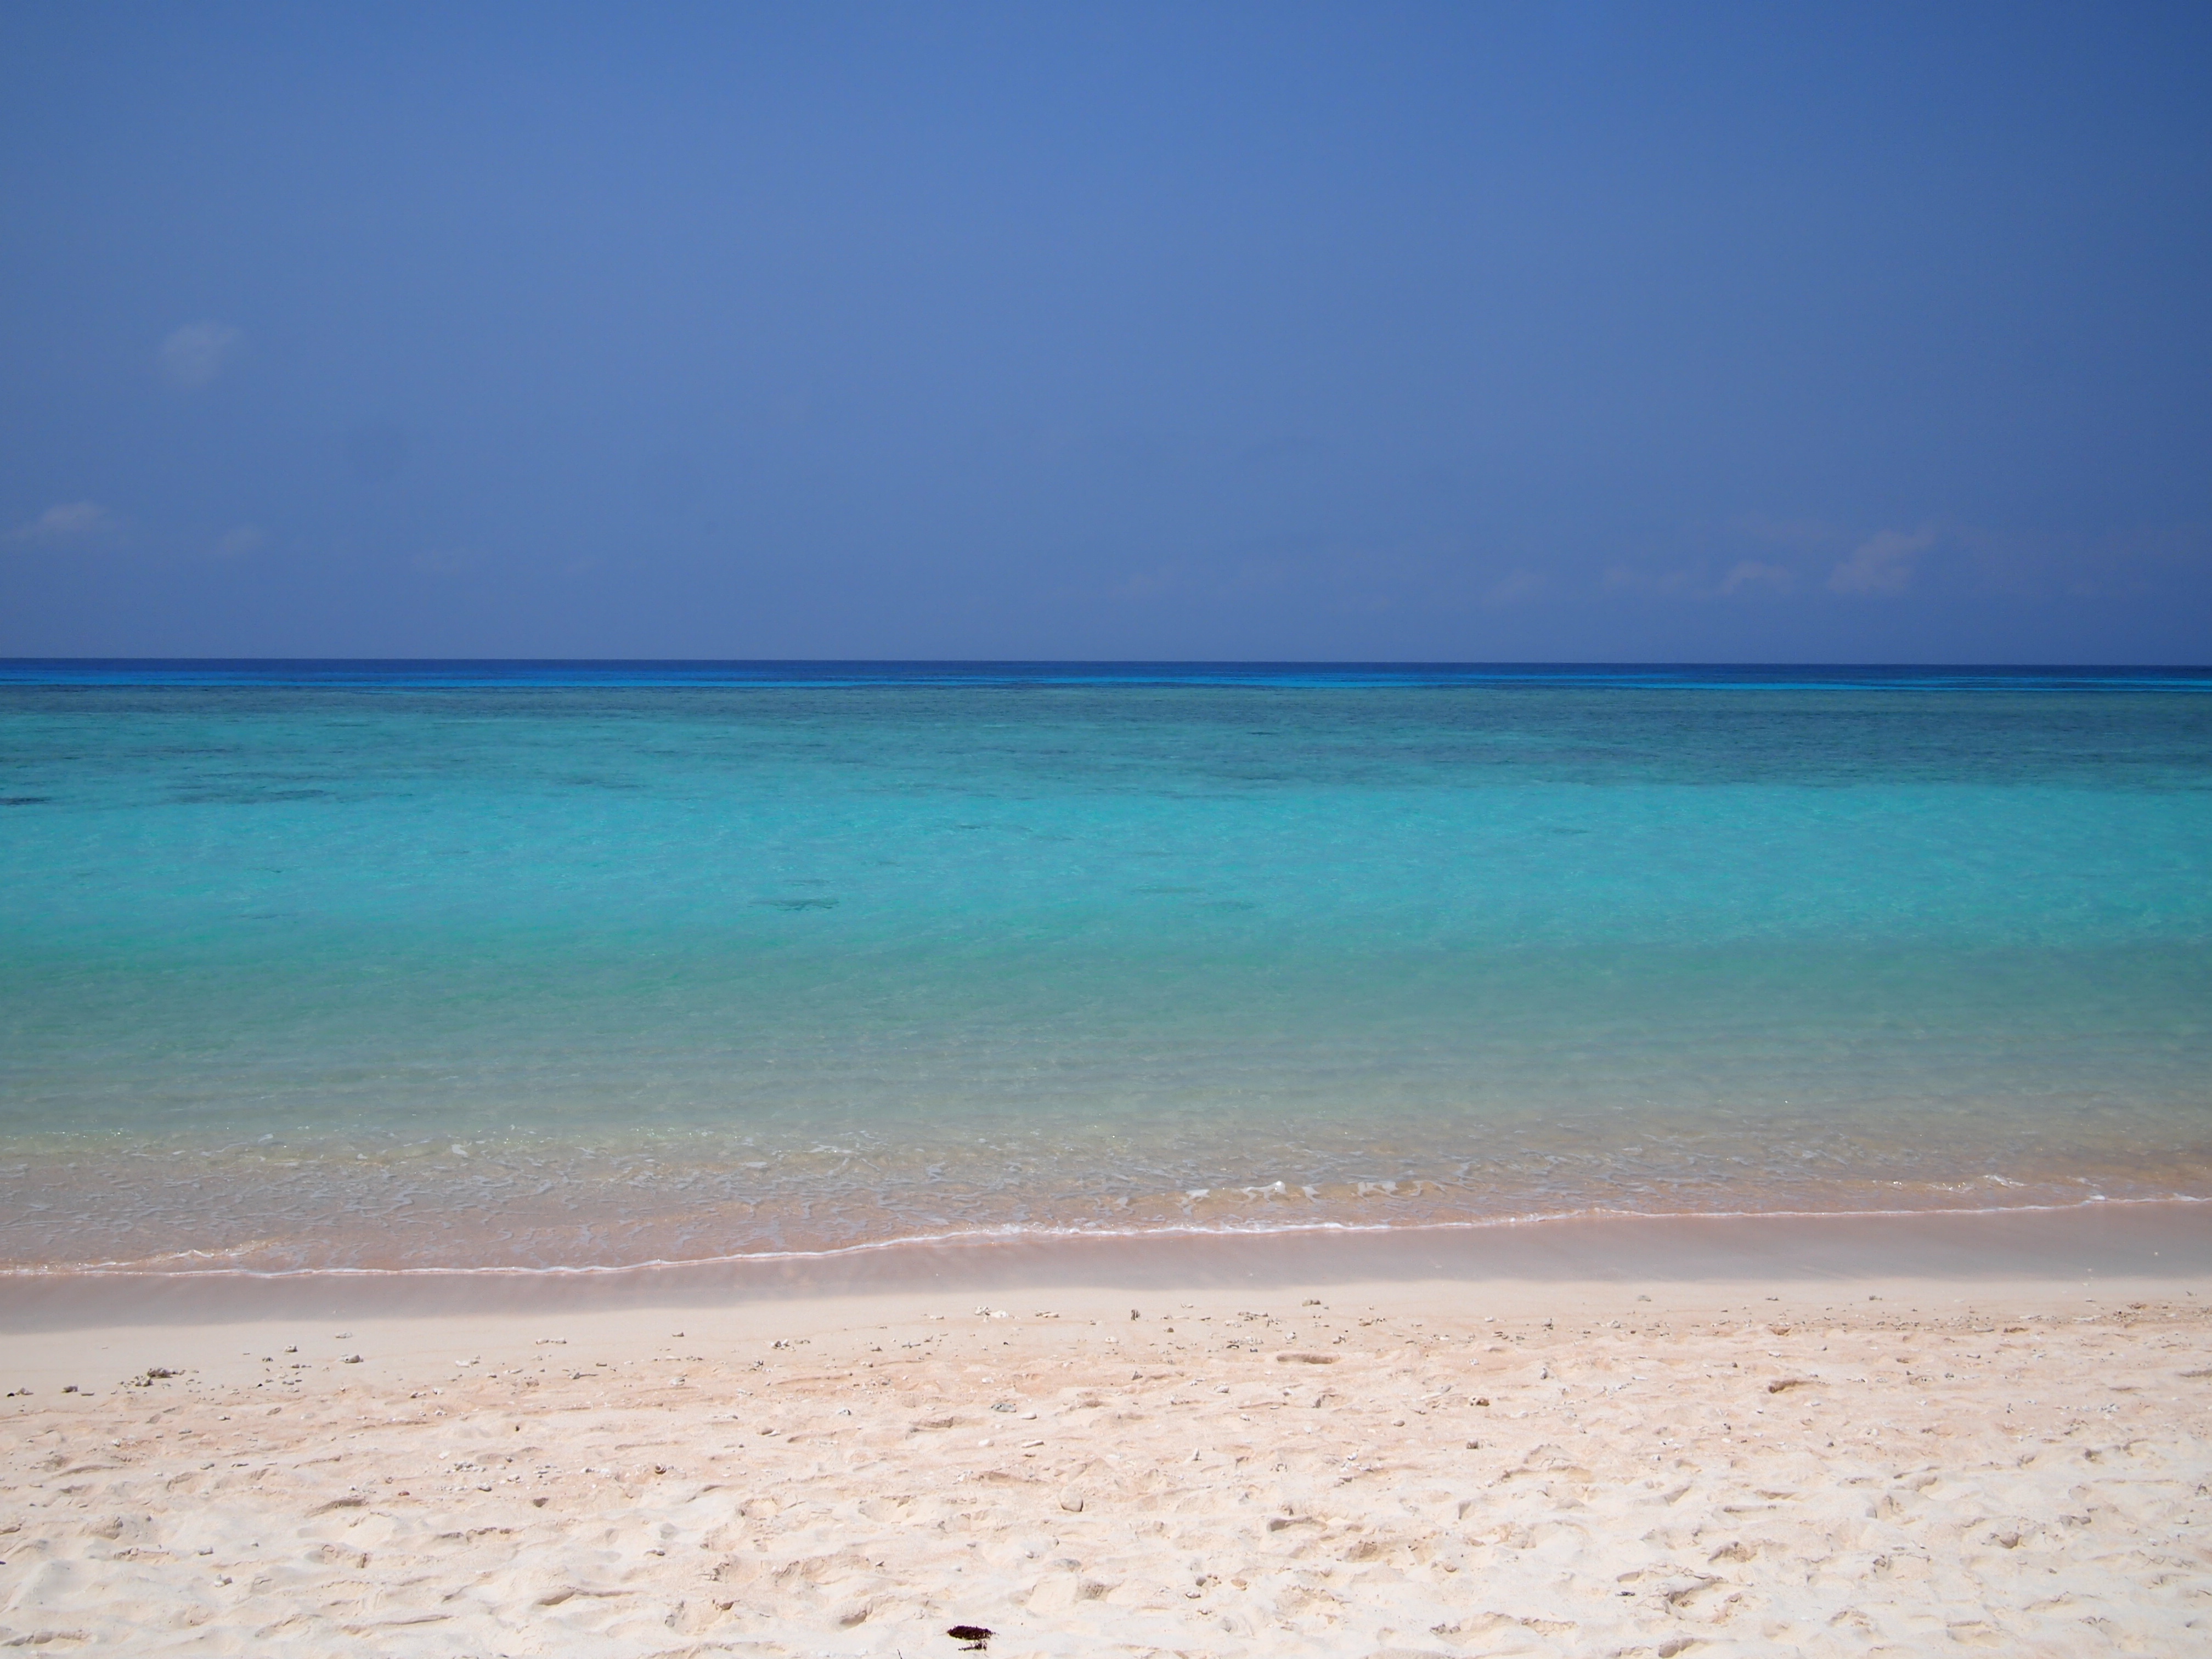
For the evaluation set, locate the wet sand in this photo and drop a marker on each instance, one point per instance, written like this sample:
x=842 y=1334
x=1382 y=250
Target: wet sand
x=2084 y=1241
x=1511 y=1462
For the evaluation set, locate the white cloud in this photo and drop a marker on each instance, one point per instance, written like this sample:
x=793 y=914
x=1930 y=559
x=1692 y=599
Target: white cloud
x=66 y=521
x=1882 y=563
x=1757 y=574
x=239 y=541
x=195 y=353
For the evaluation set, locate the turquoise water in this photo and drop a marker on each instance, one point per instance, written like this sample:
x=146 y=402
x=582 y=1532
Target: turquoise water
x=590 y=964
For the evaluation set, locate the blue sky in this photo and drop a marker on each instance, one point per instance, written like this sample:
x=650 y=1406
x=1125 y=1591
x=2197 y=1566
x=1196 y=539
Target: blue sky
x=1580 y=331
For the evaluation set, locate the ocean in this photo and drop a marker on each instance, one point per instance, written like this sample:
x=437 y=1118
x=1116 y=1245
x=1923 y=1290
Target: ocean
x=546 y=965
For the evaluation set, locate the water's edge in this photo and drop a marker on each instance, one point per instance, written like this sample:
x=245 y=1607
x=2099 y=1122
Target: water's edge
x=2156 y=1239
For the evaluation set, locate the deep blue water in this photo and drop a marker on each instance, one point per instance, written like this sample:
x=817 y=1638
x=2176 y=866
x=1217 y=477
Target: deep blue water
x=449 y=964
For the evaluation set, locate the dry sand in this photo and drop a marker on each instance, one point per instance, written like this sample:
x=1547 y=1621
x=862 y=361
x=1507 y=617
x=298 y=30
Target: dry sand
x=1455 y=1468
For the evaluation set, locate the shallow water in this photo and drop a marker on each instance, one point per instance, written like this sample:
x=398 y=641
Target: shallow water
x=592 y=965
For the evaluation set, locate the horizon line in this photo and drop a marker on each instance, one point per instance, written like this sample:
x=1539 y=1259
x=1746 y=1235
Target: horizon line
x=1954 y=666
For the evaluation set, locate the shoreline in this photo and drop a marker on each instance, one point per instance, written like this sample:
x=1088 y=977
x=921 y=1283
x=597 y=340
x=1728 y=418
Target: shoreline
x=2149 y=1239
x=1720 y=1437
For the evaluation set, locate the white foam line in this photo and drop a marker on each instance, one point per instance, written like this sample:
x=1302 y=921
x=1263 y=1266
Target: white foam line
x=1011 y=1234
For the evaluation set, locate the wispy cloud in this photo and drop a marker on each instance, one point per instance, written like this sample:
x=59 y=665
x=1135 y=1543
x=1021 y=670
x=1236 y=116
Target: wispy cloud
x=239 y=541
x=1757 y=575
x=1882 y=564
x=66 y=521
x=195 y=353
x=1696 y=581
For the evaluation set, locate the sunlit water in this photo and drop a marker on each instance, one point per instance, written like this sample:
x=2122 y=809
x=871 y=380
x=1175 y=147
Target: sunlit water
x=575 y=966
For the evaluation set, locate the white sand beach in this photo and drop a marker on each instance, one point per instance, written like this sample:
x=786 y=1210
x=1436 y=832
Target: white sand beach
x=1878 y=1465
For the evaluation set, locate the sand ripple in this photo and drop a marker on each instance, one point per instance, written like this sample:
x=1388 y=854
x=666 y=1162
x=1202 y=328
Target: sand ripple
x=1401 y=1471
